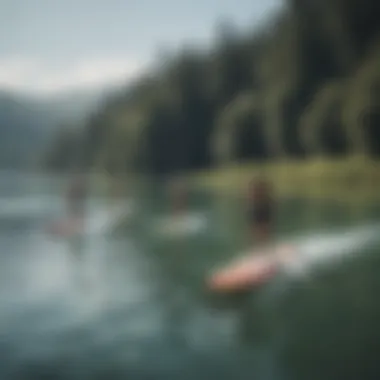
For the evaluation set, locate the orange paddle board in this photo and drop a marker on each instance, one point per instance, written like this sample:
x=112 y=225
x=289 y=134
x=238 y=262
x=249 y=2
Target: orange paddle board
x=250 y=271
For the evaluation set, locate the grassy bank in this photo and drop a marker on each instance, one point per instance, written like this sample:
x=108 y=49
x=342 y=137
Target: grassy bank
x=351 y=179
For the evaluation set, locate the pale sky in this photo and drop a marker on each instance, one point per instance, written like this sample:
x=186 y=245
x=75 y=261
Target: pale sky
x=52 y=46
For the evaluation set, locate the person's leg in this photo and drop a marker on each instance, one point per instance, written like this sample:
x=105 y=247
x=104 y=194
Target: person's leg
x=263 y=232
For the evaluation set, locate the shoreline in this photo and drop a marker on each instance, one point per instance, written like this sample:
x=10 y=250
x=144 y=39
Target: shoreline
x=354 y=179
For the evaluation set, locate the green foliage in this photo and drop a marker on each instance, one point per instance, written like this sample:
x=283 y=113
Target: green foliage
x=361 y=108
x=238 y=132
x=307 y=84
x=320 y=126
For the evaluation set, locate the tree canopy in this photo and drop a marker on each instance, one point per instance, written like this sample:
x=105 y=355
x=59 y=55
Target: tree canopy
x=306 y=84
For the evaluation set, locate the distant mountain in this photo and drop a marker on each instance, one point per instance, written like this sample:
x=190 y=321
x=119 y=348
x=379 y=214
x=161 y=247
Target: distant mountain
x=73 y=106
x=28 y=124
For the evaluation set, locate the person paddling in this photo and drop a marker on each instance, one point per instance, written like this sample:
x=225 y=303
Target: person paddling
x=261 y=210
x=75 y=206
x=76 y=197
x=179 y=197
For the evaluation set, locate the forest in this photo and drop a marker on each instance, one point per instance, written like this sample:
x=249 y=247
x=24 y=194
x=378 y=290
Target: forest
x=306 y=84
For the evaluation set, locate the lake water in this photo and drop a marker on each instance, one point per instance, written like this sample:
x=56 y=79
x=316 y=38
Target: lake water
x=132 y=304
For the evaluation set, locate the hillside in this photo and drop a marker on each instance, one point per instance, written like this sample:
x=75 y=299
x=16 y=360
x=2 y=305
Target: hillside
x=304 y=86
x=28 y=125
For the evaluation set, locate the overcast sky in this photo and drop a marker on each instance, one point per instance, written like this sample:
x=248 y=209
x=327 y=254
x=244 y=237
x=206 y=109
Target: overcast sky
x=51 y=46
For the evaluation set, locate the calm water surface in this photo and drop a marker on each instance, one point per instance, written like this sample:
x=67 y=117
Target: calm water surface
x=132 y=304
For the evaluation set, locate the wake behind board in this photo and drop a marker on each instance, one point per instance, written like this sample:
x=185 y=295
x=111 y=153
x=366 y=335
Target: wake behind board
x=97 y=222
x=181 y=225
x=313 y=251
x=251 y=270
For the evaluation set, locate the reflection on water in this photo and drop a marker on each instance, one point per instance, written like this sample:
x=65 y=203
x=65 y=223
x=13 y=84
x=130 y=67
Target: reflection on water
x=132 y=305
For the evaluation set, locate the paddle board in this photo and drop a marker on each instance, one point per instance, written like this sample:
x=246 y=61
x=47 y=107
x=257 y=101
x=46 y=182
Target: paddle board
x=252 y=270
x=181 y=225
x=257 y=268
x=97 y=222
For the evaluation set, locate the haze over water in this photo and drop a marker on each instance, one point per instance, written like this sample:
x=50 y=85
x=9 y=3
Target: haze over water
x=132 y=304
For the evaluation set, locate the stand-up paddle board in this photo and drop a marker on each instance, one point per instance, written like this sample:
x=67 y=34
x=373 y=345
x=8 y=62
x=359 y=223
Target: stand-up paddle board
x=257 y=268
x=181 y=225
x=253 y=269
x=97 y=222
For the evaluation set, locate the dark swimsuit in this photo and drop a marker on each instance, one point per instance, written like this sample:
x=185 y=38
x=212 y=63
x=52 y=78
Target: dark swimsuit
x=260 y=214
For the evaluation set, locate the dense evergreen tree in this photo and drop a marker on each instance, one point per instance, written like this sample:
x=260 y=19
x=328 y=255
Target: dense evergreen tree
x=307 y=84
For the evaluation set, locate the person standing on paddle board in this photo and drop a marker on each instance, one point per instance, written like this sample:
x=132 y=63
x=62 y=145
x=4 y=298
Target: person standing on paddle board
x=75 y=203
x=260 y=210
x=76 y=197
x=179 y=197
